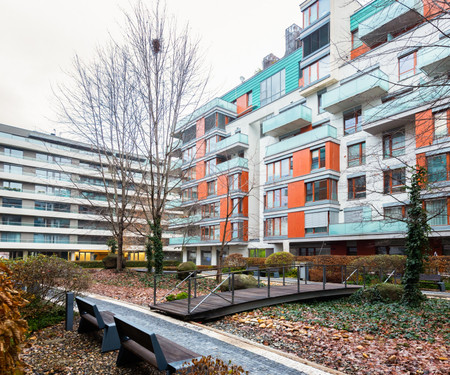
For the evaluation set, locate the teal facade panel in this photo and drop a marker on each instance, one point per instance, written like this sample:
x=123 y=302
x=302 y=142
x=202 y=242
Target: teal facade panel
x=368 y=11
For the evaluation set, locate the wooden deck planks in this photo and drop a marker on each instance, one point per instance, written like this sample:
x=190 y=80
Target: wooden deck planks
x=246 y=299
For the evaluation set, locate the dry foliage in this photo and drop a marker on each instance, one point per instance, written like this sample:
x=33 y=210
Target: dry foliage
x=12 y=327
x=44 y=276
x=235 y=261
x=255 y=261
x=212 y=366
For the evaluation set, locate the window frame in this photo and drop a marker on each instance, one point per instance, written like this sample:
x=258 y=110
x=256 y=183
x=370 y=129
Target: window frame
x=321 y=158
x=388 y=181
x=361 y=155
x=390 y=137
x=353 y=194
x=409 y=72
x=354 y=114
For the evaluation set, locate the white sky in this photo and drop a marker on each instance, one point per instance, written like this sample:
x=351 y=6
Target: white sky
x=38 y=39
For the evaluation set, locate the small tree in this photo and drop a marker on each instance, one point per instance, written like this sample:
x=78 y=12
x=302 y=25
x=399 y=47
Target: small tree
x=417 y=244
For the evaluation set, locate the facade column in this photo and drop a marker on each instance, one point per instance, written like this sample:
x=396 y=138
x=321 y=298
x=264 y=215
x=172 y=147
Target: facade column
x=199 y=256
x=286 y=246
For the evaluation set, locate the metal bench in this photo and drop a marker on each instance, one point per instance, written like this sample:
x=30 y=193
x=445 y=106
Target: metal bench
x=139 y=345
x=94 y=320
x=437 y=279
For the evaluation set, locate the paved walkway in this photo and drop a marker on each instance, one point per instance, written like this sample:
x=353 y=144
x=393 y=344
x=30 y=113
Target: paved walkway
x=255 y=358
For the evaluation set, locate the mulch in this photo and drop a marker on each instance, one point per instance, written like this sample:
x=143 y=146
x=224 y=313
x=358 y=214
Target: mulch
x=56 y=351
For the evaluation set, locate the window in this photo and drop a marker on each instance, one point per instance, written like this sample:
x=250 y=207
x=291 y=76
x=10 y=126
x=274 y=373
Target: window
x=441 y=124
x=236 y=205
x=210 y=233
x=356 y=42
x=407 y=65
x=188 y=154
x=316 y=230
x=320 y=101
x=272 y=88
x=211 y=210
x=13 y=152
x=49 y=206
x=11 y=185
x=315 y=12
x=211 y=144
x=316 y=40
x=357 y=187
x=234 y=182
x=279 y=169
x=10 y=202
x=236 y=231
x=189 y=134
x=352 y=121
x=250 y=99
x=394 y=144
x=394 y=213
x=191 y=173
x=51 y=223
x=321 y=190
x=394 y=181
x=210 y=166
x=189 y=194
x=52 y=190
x=212 y=187
x=437 y=212
x=10 y=237
x=316 y=71
x=16 y=169
x=51 y=238
x=11 y=220
x=276 y=198
x=356 y=154
x=437 y=168
x=318 y=158
x=276 y=227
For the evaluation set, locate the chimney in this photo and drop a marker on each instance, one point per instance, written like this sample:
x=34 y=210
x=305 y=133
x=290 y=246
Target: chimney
x=269 y=60
x=291 y=35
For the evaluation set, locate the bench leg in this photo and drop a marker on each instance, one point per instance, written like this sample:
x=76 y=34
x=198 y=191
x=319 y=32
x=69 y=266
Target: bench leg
x=125 y=357
x=85 y=326
x=111 y=339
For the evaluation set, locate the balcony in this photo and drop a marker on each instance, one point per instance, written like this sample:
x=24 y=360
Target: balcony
x=364 y=87
x=288 y=121
x=402 y=109
x=234 y=144
x=392 y=19
x=435 y=60
x=184 y=221
x=200 y=112
x=179 y=241
x=368 y=227
x=231 y=164
x=301 y=140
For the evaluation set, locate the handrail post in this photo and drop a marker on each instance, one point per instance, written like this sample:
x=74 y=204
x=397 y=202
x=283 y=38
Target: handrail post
x=364 y=277
x=268 y=282
x=345 y=275
x=324 y=279
x=69 y=311
x=306 y=273
x=259 y=277
x=232 y=288
x=357 y=276
x=189 y=295
x=298 y=279
x=154 y=288
x=342 y=274
x=195 y=284
x=381 y=275
x=284 y=277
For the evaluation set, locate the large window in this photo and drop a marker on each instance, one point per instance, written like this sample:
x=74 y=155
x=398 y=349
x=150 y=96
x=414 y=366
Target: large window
x=276 y=198
x=272 y=88
x=356 y=154
x=357 y=187
x=50 y=206
x=210 y=166
x=441 y=124
x=316 y=71
x=51 y=238
x=234 y=182
x=277 y=226
x=11 y=202
x=188 y=154
x=189 y=134
x=279 y=169
x=437 y=168
x=407 y=65
x=52 y=190
x=211 y=233
x=212 y=187
x=13 y=152
x=437 y=212
x=352 y=121
x=356 y=42
x=394 y=213
x=394 y=144
x=11 y=220
x=236 y=206
x=316 y=40
x=10 y=237
x=394 y=181
x=315 y=12
x=318 y=158
x=51 y=222
x=11 y=185
x=236 y=231
x=216 y=120
x=211 y=144
x=16 y=169
x=190 y=194
x=211 y=210
x=321 y=190
x=191 y=173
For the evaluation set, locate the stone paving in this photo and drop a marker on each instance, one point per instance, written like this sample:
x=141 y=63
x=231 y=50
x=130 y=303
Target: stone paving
x=255 y=358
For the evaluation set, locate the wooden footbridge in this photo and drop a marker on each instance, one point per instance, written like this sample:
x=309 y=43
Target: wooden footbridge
x=274 y=291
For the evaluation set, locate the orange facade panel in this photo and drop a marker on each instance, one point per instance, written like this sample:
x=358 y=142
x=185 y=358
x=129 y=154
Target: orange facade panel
x=424 y=128
x=302 y=162
x=245 y=206
x=244 y=181
x=225 y=230
x=242 y=103
x=200 y=127
x=222 y=185
x=296 y=194
x=200 y=149
x=332 y=156
x=359 y=51
x=225 y=206
x=245 y=230
x=296 y=224
x=199 y=170
x=202 y=190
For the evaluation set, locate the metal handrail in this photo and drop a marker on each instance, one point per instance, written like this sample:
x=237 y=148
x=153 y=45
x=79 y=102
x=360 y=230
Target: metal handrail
x=176 y=286
x=211 y=293
x=351 y=275
x=389 y=276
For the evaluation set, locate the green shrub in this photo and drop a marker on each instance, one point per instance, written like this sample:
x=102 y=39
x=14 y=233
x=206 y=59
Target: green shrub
x=44 y=276
x=386 y=293
x=90 y=264
x=110 y=261
x=171 y=297
x=280 y=259
x=40 y=314
x=171 y=263
x=137 y=263
x=255 y=262
x=387 y=263
x=184 y=269
x=182 y=295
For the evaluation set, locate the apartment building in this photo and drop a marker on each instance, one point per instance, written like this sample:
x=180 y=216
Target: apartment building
x=312 y=154
x=51 y=198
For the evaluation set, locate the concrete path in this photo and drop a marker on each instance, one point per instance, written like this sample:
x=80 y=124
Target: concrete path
x=255 y=358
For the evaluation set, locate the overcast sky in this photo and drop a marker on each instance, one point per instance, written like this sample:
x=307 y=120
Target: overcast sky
x=38 y=40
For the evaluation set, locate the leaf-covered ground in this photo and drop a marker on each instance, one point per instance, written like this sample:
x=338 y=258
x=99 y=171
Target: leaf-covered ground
x=354 y=338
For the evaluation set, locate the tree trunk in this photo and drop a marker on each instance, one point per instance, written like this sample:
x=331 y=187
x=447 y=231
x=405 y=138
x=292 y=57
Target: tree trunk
x=157 y=245
x=119 y=252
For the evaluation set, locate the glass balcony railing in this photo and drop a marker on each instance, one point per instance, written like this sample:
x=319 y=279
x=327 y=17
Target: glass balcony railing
x=369 y=227
x=288 y=121
x=227 y=166
x=233 y=144
x=390 y=19
x=184 y=240
x=435 y=60
x=301 y=140
x=366 y=86
x=185 y=220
